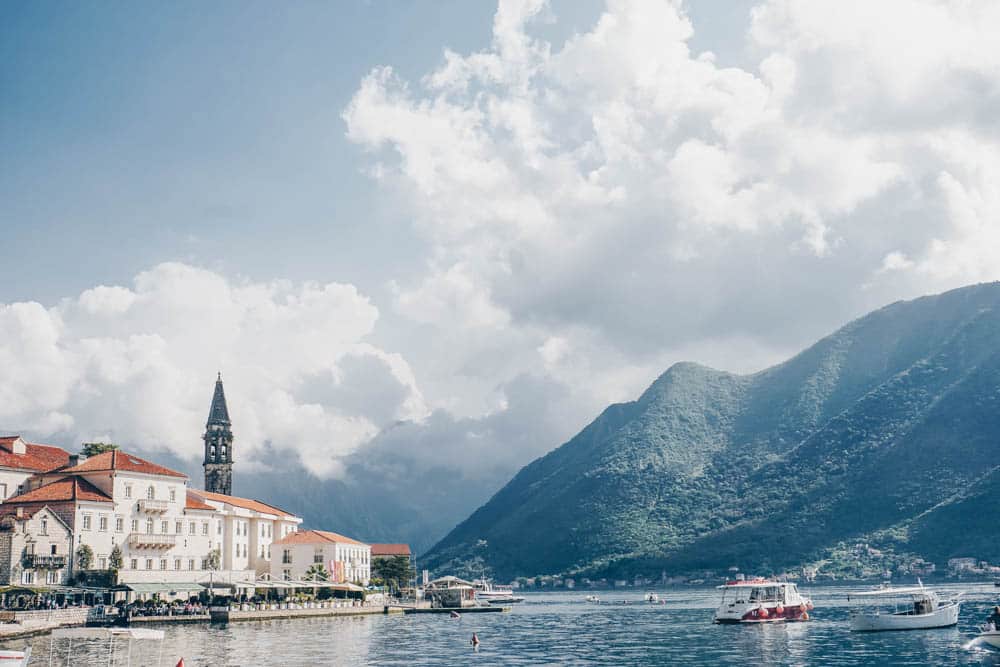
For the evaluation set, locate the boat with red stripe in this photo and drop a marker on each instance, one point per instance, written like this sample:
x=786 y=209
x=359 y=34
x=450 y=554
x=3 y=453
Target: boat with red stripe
x=761 y=601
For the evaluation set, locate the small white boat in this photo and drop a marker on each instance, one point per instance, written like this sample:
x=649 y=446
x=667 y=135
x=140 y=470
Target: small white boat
x=651 y=597
x=15 y=658
x=761 y=601
x=592 y=598
x=492 y=593
x=907 y=608
x=991 y=637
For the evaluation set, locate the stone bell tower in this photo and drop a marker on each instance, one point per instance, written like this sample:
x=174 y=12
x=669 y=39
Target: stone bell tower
x=219 y=444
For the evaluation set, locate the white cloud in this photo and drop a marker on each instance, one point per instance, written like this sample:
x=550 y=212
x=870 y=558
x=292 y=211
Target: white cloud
x=137 y=365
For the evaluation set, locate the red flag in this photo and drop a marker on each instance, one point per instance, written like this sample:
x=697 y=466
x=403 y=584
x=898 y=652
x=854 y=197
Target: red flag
x=180 y=663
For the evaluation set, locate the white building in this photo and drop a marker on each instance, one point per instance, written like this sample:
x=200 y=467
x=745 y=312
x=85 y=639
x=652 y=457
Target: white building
x=166 y=532
x=344 y=559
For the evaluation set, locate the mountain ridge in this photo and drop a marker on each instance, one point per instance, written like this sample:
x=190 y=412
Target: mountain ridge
x=708 y=467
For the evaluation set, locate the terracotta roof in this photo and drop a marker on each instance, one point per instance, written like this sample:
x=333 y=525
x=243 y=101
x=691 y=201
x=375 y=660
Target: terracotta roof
x=390 y=550
x=119 y=460
x=245 y=503
x=62 y=490
x=38 y=458
x=316 y=537
x=194 y=502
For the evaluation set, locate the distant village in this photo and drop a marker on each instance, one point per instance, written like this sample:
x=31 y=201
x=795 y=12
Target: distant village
x=112 y=521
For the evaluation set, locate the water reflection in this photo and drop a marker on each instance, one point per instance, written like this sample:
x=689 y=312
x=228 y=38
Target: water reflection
x=560 y=628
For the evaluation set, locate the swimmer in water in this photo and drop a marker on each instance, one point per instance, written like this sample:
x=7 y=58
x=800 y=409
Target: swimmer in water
x=475 y=640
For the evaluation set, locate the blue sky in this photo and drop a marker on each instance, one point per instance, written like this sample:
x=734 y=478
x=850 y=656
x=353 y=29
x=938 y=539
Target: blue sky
x=359 y=230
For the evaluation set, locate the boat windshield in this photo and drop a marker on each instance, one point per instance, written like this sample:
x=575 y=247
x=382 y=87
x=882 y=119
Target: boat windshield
x=745 y=594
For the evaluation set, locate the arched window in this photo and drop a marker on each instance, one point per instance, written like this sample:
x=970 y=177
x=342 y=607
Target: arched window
x=223 y=451
x=212 y=451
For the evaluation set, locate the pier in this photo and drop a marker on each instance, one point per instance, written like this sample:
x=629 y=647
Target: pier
x=266 y=612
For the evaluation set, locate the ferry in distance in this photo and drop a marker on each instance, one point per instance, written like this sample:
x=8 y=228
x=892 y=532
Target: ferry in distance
x=761 y=601
x=487 y=591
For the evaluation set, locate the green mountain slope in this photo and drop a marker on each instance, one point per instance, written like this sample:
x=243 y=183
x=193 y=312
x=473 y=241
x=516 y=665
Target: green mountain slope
x=884 y=424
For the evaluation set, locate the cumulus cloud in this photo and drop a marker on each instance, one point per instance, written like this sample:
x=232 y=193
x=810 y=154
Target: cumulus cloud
x=619 y=200
x=136 y=364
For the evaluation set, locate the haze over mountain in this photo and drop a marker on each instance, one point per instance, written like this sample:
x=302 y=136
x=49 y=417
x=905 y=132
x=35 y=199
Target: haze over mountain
x=888 y=430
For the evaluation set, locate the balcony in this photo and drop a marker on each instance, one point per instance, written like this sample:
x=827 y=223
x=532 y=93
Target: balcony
x=153 y=506
x=151 y=541
x=44 y=561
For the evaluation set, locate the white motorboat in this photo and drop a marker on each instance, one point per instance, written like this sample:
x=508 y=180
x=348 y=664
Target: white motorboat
x=761 y=601
x=15 y=658
x=991 y=637
x=907 y=608
x=492 y=593
x=651 y=597
x=592 y=598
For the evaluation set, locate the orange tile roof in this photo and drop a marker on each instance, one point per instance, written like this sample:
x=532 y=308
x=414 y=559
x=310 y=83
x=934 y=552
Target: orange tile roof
x=194 y=502
x=316 y=537
x=119 y=460
x=37 y=458
x=245 y=503
x=390 y=550
x=67 y=489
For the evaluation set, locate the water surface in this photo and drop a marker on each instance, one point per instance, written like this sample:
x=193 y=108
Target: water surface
x=562 y=629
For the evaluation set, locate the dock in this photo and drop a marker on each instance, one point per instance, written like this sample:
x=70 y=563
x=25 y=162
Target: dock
x=273 y=612
x=460 y=610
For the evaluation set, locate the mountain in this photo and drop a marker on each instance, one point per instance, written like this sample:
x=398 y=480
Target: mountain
x=888 y=429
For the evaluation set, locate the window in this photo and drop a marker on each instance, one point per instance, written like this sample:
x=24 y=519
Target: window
x=28 y=577
x=102 y=524
x=149 y=526
x=261 y=551
x=128 y=490
x=318 y=556
x=192 y=528
x=45 y=526
x=135 y=525
x=119 y=524
x=190 y=563
x=204 y=563
x=218 y=527
x=223 y=451
x=212 y=450
x=204 y=528
x=164 y=527
x=173 y=494
x=286 y=574
x=86 y=521
x=102 y=563
x=52 y=577
x=177 y=563
x=163 y=563
x=151 y=492
x=3 y=492
x=269 y=530
x=262 y=531
x=52 y=549
x=286 y=557
x=134 y=564
x=149 y=563
x=269 y=552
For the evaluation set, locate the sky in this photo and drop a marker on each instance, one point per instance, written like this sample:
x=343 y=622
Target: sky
x=482 y=222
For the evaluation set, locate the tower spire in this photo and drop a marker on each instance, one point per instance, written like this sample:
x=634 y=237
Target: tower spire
x=218 y=444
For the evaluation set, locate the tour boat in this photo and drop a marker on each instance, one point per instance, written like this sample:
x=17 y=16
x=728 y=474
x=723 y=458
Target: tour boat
x=909 y=608
x=651 y=597
x=487 y=591
x=761 y=601
x=15 y=658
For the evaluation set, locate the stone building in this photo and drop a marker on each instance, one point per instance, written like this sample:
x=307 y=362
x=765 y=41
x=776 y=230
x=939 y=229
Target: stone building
x=35 y=547
x=218 y=444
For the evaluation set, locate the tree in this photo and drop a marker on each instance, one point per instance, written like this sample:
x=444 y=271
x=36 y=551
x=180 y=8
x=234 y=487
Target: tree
x=317 y=571
x=84 y=557
x=95 y=448
x=115 y=558
x=214 y=559
x=395 y=571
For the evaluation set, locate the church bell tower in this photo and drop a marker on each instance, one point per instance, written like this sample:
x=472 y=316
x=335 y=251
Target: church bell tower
x=219 y=445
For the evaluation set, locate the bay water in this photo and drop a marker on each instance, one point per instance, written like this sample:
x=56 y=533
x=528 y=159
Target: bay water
x=561 y=628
